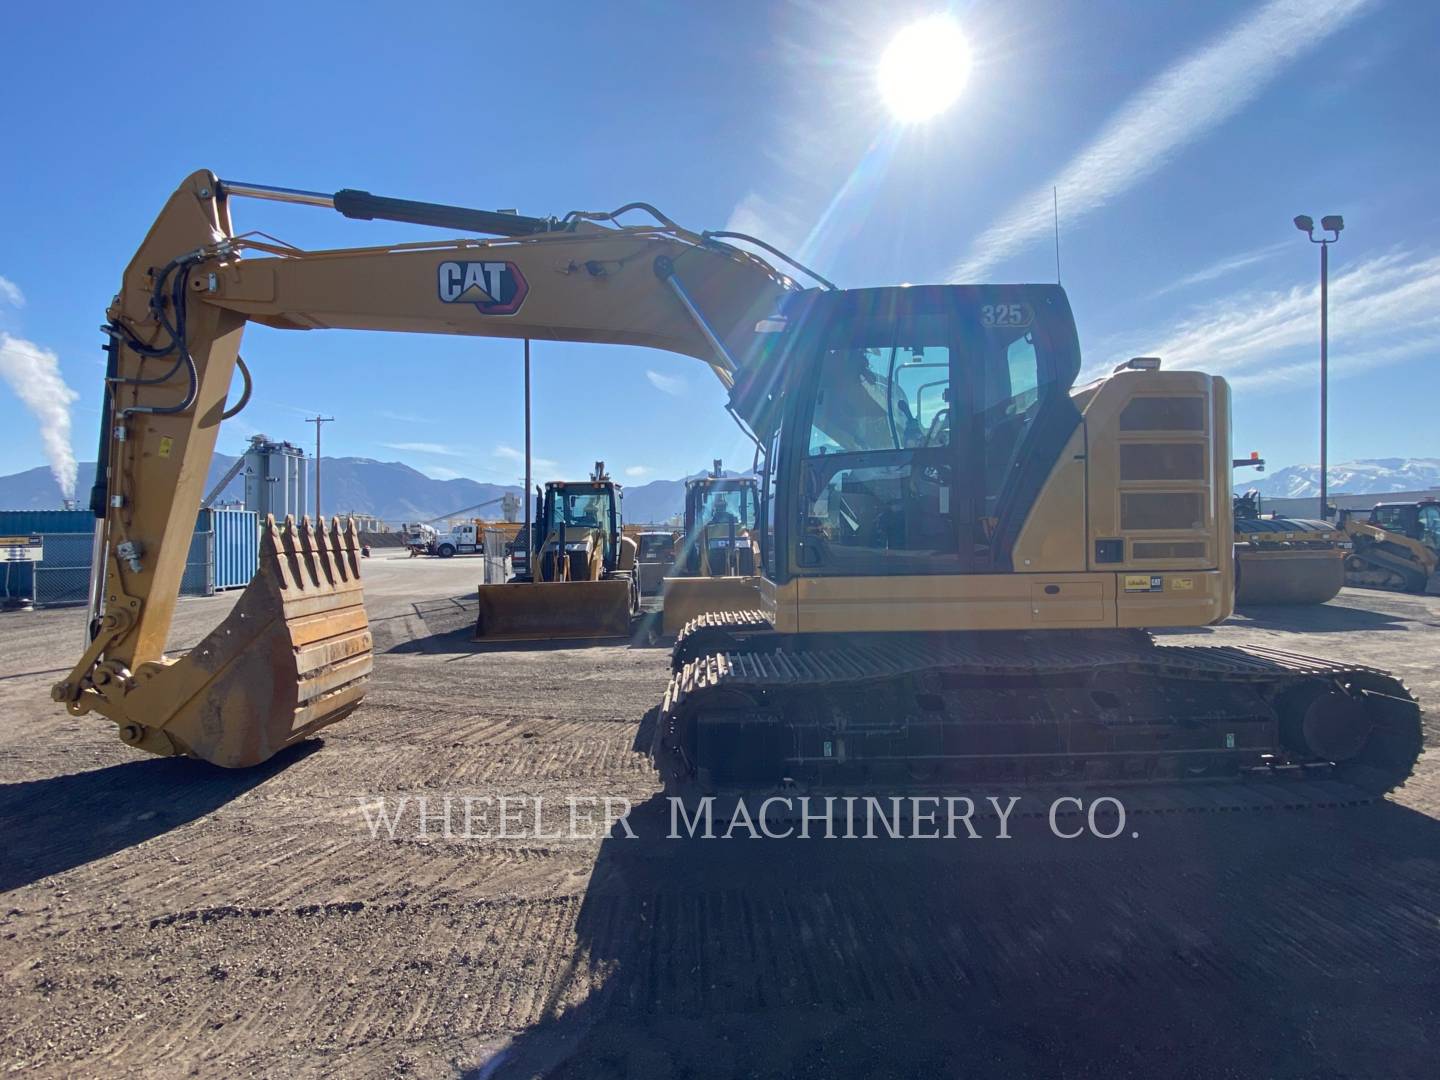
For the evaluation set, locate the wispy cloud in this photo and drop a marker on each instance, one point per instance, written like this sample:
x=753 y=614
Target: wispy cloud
x=768 y=219
x=673 y=385
x=403 y=418
x=423 y=448
x=509 y=453
x=441 y=472
x=1222 y=268
x=638 y=471
x=1383 y=310
x=10 y=293
x=1182 y=104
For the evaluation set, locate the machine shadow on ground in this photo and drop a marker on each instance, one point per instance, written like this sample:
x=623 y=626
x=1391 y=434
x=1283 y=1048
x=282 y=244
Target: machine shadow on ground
x=61 y=822
x=1282 y=944
x=450 y=626
x=1319 y=619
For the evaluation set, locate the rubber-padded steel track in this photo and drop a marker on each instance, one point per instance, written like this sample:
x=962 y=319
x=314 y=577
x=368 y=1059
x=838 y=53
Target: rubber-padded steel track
x=756 y=672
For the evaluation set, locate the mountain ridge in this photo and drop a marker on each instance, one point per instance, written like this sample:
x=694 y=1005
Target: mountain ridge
x=1364 y=476
x=389 y=490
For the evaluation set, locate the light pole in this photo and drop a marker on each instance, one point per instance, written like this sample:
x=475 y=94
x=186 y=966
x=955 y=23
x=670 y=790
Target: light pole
x=317 y=420
x=525 y=496
x=1331 y=223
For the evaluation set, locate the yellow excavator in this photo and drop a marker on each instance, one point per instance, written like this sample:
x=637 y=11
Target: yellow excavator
x=961 y=550
x=579 y=578
x=717 y=567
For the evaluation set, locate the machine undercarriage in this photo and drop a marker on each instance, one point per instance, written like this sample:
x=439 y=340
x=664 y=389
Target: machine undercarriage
x=893 y=714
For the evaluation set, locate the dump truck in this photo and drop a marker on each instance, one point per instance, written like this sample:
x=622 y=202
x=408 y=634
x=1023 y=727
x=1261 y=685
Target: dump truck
x=716 y=567
x=579 y=578
x=962 y=548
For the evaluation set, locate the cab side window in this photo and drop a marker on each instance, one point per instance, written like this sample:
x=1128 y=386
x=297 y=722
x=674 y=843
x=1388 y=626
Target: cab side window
x=878 y=471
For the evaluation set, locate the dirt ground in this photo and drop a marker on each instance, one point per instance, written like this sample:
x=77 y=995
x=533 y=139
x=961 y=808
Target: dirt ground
x=163 y=917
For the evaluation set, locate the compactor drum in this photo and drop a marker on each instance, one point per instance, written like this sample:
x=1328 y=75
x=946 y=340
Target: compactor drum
x=1286 y=560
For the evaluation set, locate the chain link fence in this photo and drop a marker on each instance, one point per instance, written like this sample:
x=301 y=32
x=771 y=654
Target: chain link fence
x=497 y=570
x=62 y=578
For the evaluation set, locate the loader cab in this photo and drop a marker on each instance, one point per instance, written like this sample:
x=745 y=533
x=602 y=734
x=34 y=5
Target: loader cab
x=908 y=430
x=720 y=515
x=575 y=511
x=1417 y=520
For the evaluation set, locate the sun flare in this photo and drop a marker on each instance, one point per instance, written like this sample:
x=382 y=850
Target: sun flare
x=924 y=69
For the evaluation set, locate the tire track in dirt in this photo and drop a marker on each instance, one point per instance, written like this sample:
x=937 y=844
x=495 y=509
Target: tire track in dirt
x=649 y=942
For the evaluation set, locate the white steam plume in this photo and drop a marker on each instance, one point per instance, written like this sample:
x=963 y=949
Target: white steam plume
x=34 y=374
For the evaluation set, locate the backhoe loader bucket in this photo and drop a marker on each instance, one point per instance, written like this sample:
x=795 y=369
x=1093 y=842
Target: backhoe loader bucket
x=293 y=655
x=1288 y=575
x=537 y=610
x=687 y=598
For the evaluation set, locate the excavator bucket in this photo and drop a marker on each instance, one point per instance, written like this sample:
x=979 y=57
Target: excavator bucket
x=536 y=611
x=1288 y=575
x=687 y=598
x=293 y=655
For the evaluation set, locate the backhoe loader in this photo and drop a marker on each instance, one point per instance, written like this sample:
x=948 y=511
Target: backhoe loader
x=717 y=567
x=961 y=550
x=579 y=579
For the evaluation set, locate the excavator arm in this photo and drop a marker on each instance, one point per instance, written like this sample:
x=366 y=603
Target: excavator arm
x=294 y=655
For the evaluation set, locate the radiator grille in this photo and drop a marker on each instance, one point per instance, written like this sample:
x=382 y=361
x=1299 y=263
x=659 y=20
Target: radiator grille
x=1162 y=461
x=1161 y=510
x=1163 y=414
x=1155 y=549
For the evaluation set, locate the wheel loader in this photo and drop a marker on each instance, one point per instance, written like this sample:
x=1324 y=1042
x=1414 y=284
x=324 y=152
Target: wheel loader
x=579 y=578
x=962 y=550
x=716 y=569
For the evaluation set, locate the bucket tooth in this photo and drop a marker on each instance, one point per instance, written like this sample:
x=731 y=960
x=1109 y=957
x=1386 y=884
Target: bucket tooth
x=293 y=656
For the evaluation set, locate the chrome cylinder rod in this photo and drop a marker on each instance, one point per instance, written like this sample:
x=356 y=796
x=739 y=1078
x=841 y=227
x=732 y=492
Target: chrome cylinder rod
x=276 y=194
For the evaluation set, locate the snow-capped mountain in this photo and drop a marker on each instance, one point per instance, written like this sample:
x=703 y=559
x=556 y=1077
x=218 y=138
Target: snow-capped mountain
x=1369 y=476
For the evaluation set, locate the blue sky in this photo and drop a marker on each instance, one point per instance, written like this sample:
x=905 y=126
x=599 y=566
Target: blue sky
x=1182 y=140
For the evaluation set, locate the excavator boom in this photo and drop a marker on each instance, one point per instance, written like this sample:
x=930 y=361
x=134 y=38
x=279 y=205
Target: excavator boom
x=295 y=654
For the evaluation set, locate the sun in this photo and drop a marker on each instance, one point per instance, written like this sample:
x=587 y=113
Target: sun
x=924 y=69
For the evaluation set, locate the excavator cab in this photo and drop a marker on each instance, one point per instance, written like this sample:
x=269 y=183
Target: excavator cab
x=583 y=583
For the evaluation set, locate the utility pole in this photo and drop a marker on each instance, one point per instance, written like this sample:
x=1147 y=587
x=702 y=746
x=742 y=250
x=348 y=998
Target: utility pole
x=317 y=421
x=529 y=540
